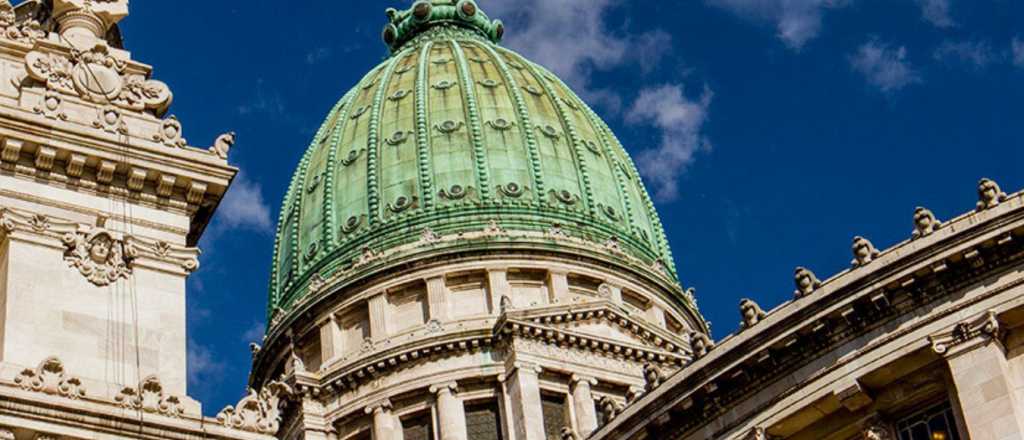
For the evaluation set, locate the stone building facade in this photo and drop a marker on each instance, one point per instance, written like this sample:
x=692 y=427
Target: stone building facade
x=465 y=252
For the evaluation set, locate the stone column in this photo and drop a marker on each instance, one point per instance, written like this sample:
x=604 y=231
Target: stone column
x=330 y=340
x=497 y=283
x=437 y=297
x=378 y=311
x=985 y=384
x=451 y=414
x=656 y=315
x=558 y=286
x=385 y=425
x=583 y=404
x=523 y=387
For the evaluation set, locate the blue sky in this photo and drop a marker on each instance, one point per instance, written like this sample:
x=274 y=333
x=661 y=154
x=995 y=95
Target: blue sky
x=771 y=131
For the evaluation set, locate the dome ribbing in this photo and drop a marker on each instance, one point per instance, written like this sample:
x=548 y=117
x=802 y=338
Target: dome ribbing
x=457 y=145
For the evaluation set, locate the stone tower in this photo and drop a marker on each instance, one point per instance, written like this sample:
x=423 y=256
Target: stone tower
x=467 y=251
x=101 y=204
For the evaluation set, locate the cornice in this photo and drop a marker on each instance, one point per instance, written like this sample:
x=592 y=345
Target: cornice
x=896 y=282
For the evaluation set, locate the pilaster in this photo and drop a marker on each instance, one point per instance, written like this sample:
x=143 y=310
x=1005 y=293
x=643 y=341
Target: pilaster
x=558 y=286
x=378 y=306
x=451 y=413
x=583 y=404
x=385 y=425
x=437 y=297
x=985 y=384
x=498 y=287
x=523 y=388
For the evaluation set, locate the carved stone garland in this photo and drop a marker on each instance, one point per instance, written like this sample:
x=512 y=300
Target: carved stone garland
x=99 y=256
x=257 y=412
x=51 y=378
x=26 y=32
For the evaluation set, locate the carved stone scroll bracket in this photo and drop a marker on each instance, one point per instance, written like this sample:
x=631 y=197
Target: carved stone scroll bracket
x=50 y=377
x=149 y=397
x=185 y=258
x=258 y=412
x=854 y=396
x=966 y=334
x=103 y=257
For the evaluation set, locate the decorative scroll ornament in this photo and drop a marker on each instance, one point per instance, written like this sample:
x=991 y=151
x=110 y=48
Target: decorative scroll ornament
x=352 y=157
x=701 y=344
x=489 y=83
x=170 y=133
x=401 y=204
x=50 y=378
x=444 y=84
x=501 y=124
x=592 y=146
x=653 y=377
x=456 y=192
x=449 y=127
x=549 y=131
x=985 y=326
x=222 y=145
x=863 y=252
x=99 y=256
x=925 y=223
x=610 y=408
x=359 y=112
x=751 y=312
x=512 y=189
x=97 y=74
x=27 y=32
x=806 y=282
x=139 y=93
x=989 y=194
x=149 y=397
x=51 y=69
x=351 y=224
x=398 y=138
x=399 y=95
x=50 y=106
x=876 y=429
x=257 y=412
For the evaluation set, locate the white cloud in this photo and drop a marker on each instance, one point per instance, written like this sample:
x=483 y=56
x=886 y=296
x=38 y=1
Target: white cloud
x=937 y=12
x=1017 y=49
x=263 y=101
x=244 y=208
x=681 y=122
x=796 y=21
x=204 y=369
x=978 y=54
x=255 y=332
x=317 y=55
x=884 y=66
x=571 y=38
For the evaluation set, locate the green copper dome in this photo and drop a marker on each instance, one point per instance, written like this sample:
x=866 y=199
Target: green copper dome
x=455 y=145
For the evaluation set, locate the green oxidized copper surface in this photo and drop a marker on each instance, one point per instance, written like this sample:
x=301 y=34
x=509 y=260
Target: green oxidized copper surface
x=455 y=135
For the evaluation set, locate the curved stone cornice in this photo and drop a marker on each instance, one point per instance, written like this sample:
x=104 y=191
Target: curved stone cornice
x=895 y=284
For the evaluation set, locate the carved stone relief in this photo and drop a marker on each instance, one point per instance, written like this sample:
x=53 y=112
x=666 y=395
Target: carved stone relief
x=149 y=397
x=99 y=255
x=258 y=412
x=50 y=378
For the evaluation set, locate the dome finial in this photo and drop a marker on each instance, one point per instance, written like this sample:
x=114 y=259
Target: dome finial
x=405 y=25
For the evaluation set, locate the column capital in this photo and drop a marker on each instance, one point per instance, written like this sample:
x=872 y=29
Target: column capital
x=966 y=335
x=380 y=406
x=445 y=387
x=578 y=378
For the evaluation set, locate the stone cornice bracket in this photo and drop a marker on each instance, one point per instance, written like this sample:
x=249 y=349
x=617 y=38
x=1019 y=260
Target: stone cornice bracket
x=806 y=282
x=88 y=20
x=989 y=194
x=51 y=378
x=258 y=412
x=383 y=406
x=149 y=397
x=966 y=334
x=446 y=387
